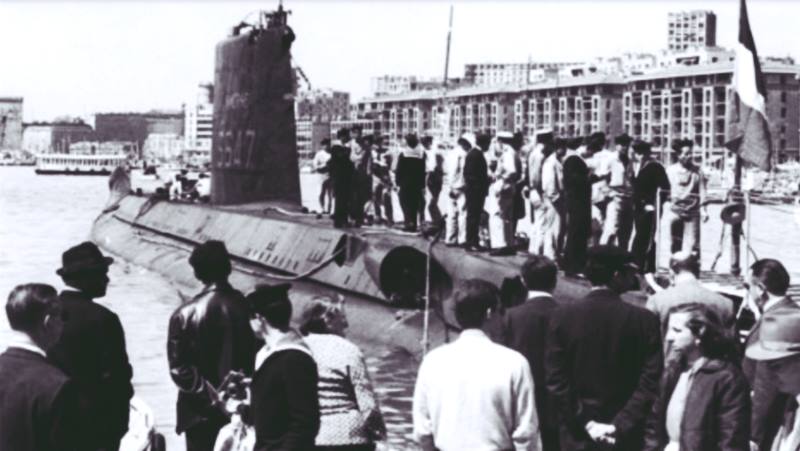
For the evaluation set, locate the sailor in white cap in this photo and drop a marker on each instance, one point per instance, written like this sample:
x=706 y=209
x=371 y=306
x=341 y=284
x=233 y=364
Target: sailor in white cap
x=457 y=213
x=506 y=175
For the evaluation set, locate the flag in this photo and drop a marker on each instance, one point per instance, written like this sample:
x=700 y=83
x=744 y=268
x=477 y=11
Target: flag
x=753 y=141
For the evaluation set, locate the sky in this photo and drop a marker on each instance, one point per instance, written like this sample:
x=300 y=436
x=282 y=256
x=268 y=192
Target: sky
x=79 y=58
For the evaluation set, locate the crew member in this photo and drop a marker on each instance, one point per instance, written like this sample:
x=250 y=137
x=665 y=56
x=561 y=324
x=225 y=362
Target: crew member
x=476 y=188
x=411 y=180
x=649 y=177
x=505 y=183
x=619 y=209
x=687 y=199
x=342 y=171
x=457 y=215
x=320 y=166
x=536 y=158
x=578 y=196
x=434 y=177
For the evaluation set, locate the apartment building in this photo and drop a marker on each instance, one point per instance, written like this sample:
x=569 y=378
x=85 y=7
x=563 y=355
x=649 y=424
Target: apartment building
x=687 y=29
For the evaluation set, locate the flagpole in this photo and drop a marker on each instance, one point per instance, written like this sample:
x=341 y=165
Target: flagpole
x=736 y=228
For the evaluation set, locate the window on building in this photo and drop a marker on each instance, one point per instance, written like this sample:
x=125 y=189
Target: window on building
x=783 y=144
x=783 y=99
x=783 y=112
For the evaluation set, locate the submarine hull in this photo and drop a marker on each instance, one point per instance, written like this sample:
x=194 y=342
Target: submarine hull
x=368 y=266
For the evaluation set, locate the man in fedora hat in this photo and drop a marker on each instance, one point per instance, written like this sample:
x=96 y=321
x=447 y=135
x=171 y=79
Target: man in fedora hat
x=209 y=337
x=284 y=397
x=91 y=349
x=777 y=348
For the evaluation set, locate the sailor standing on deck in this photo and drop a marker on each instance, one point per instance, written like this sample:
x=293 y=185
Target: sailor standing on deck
x=552 y=212
x=434 y=177
x=457 y=214
x=476 y=188
x=618 y=221
x=578 y=196
x=536 y=158
x=411 y=180
x=320 y=165
x=342 y=172
x=687 y=199
x=649 y=177
x=506 y=175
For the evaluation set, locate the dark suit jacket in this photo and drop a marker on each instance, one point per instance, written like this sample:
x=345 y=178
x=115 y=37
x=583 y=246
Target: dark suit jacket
x=650 y=178
x=208 y=338
x=92 y=352
x=768 y=403
x=39 y=406
x=603 y=363
x=476 y=174
x=525 y=331
x=577 y=189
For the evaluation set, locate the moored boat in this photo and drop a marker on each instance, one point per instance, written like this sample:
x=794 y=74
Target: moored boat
x=78 y=164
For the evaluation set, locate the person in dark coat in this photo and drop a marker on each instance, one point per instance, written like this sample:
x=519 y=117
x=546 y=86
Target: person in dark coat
x=410 y=176
x=603 y=360
x=40 y=407
x=91 y=349
x=650 y=176
x=525 y=331
x=769 y=282
x=342 y=172
x=283 y=393
x=577 y=184
x=209 y=337
x=476 y=188
x=777 y=349
x=704 y=399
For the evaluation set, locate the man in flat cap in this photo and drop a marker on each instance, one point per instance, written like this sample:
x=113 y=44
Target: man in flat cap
x=91 y=349
x=208 y=338
x=650 y=181
x=604 y=359
x=284 y=397
x=687 y=199
x=777 y=349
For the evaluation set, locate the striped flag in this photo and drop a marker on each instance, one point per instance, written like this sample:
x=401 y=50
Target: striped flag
x=753 y=142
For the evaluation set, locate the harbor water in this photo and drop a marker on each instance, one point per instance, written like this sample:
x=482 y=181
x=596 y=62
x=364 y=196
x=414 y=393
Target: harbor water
x=41 y=216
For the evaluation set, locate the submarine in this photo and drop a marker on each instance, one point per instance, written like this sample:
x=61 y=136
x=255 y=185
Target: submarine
x=255 y=208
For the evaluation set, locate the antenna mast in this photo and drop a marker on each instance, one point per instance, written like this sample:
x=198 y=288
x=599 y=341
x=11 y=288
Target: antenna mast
x=447 y=54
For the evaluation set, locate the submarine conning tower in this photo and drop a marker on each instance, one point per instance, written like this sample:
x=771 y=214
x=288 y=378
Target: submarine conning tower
x=254 y=154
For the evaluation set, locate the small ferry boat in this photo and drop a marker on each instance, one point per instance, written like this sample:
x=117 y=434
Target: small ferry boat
x=78 y=164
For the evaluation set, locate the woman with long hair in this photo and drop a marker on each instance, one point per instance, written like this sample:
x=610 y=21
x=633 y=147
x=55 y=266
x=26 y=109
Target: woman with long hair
x=704 y=400
x=349 y=416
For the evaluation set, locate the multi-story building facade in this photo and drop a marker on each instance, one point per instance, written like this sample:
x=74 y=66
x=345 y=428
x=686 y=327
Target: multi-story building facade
x=687 y=29
x=493 y=74
x=698 y=103
x=44 y=137
x=309 y=137
x=199 y=120
x=164 y=147
x=322 y=105
x=11 y=123
x=681 y=102
x=575 y=106
x=391 y=84
x=135 y=127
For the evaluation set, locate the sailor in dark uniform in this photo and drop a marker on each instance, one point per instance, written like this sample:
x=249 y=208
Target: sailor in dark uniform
x=410 y=177
x=578 y=197
x=342 y=171
x=476 y=188
x=650 y=175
